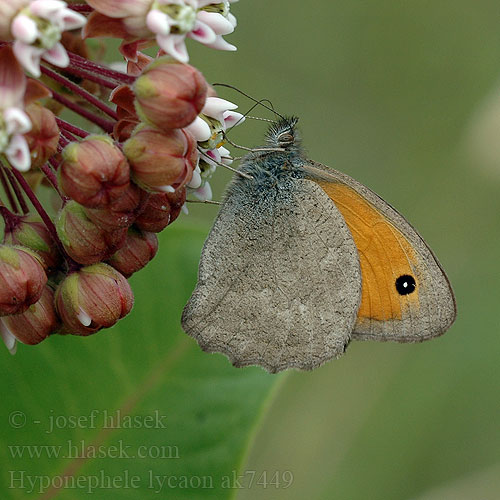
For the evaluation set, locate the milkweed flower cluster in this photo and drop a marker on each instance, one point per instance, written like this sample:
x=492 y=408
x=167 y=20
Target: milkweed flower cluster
x=112 y=153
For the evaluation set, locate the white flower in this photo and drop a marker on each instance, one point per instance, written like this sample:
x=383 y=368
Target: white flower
x=9 y=340
x=204 y=192
x=14 y=122
x=205 y=21
x=200 y=129
x=215 y=118
x=17 y=150
x=209 y=160
x=37 y=30
x=195 y=181
x=225 y=154
x=222 y=111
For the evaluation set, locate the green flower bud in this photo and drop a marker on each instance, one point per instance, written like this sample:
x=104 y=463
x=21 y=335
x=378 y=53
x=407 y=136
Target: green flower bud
x=22 y=279
x=121 y=213
x=139 y=248
x=82 y=239
x=92 y=298
x=161 y=160
x=94 y=172
x=161 y=210
x=32 y=233
x=169 y=94
x=37 y=322
x=43 y=137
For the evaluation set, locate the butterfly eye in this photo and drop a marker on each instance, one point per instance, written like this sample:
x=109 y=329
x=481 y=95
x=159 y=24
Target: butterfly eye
x=405 y=284
x=285 y=138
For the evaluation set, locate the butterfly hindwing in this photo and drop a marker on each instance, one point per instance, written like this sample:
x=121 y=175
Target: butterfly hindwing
x=406 y=295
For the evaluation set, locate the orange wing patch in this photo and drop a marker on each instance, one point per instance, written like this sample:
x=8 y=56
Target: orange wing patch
x=384 y=255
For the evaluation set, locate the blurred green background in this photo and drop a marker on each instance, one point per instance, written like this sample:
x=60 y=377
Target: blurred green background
x=404 y=97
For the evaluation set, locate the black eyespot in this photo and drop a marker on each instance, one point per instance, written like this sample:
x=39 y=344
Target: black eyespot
x=405 y=284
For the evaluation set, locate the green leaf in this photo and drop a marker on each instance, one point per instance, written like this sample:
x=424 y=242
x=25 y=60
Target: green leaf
x=138 y=410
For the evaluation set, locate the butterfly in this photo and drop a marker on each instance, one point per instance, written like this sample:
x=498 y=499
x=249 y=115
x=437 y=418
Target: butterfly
x=302 y=259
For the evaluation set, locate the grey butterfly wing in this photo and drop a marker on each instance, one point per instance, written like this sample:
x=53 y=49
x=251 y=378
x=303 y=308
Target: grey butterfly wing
x=279 y=281
x=389 y=249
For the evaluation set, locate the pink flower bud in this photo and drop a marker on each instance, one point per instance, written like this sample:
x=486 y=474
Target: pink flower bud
x=161 y=160
x=82 y=239
x=139 y=248
x=43 y=137
x=92 y=298
x=94 y=172
x=22 y=279
x=120 y=213
x=32 y=233
x=169 y=94
x=37 y=322
x=161 y=210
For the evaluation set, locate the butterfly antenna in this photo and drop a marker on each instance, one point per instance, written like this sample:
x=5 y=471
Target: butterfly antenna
x=252 y=150
x=261 y=119
x=246 y=115
x=257 y=103
x=207 y=202
x=261 y=102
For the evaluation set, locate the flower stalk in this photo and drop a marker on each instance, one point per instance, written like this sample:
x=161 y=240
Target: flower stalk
x=79 y=91
x=44 y=216
x=8 y=190
x=11 y=220
x=17 y=191
x=106 y=125
x=77 y=131
x=89 y=68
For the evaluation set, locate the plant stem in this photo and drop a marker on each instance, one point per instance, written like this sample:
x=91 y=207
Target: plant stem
x=7 y=189
x=19 y=194
x=68 y=136
x=63 y=141
x=53 y=163
x=71 y=128
x=76 y=89
x=106 y=125
x=44 y=216
x=109 y=84
x=52 y=178
x=11 y=220
x=82 y=63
